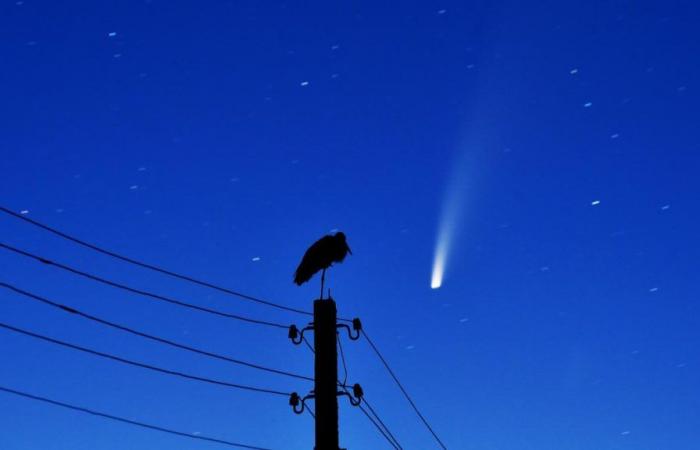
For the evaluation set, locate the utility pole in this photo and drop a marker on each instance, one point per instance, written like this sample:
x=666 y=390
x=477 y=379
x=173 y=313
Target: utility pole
x=326 y=375
x=326 y=384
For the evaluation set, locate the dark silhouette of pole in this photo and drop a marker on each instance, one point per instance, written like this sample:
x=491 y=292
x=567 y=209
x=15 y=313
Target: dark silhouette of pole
x=326 y=375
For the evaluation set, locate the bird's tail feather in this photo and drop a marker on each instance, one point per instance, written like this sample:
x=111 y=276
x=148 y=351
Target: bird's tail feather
x=302 y=276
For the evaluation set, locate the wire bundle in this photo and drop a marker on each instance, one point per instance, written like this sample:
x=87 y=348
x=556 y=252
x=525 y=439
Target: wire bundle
x=371 y=414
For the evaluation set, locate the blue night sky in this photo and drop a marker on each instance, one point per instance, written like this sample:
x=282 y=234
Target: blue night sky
x=555 y=142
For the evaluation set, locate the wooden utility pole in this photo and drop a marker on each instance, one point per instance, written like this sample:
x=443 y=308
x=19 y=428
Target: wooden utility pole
x=326 y=375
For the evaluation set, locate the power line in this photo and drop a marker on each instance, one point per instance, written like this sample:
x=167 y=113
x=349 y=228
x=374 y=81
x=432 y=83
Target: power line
x=128 y=421
x=308 y=345
x=71 y=310
x=142 y=365
x=133 y=290
x=374 y=422
x=342 y=357
x=398 y=383
x=310 y=411
x=383 y=428
x=374 y=413
x=198 y=282
x=149 y=266
x=343 y=385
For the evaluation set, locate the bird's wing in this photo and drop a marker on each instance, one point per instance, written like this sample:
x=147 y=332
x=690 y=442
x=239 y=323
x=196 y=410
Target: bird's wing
x=312 y=261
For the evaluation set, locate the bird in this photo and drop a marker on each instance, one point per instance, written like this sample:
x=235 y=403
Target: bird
x=320 y=256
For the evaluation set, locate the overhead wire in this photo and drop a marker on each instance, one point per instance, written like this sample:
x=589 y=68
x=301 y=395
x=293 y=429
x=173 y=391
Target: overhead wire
x=387 y=433
x=308 y=345
x=310 y=411
x=379 y=419
x=129 y=421
x=143 y=365
x=161 y=340
x=383 y=428
x=342 y=357
x=374 y=422
x=140 y=292
x=204 y=284
x=149 y=266
x=403 y=390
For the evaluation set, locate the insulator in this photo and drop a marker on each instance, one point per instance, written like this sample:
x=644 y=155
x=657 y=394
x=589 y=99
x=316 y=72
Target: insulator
x=294 y=399
x=356 y=324
x=293 y=332
x=357 y=391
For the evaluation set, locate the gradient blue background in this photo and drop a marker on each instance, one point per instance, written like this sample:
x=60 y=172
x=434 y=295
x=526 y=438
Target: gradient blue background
x=188 y=140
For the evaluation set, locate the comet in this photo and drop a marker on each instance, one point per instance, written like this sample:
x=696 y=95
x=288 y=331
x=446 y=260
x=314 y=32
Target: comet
x=450 y=220
x=439 y=263
x=444 y=241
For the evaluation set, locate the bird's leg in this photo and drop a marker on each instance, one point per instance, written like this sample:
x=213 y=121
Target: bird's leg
x=323 y=279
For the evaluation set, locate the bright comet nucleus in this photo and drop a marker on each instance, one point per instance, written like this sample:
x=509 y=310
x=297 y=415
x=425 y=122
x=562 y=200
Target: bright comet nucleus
x=441 y=251
x=438 y=269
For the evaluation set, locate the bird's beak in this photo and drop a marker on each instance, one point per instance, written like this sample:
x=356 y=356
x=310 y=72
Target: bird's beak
x=349 y=251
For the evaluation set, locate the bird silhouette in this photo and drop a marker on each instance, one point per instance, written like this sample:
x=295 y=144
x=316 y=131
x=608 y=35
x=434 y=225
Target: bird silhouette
x=320 y=256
